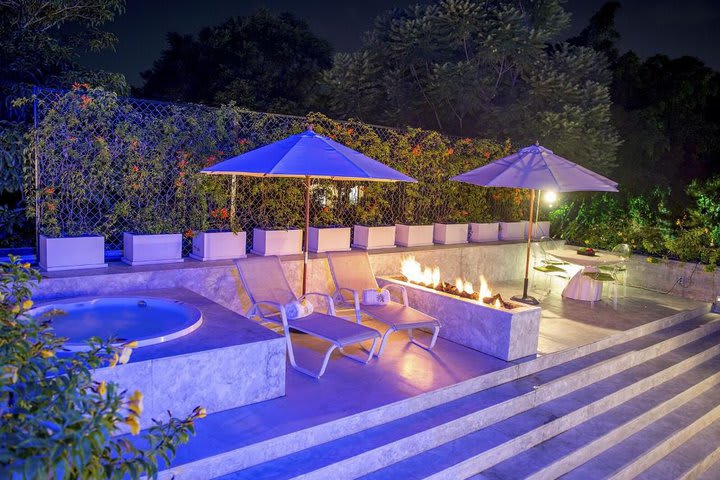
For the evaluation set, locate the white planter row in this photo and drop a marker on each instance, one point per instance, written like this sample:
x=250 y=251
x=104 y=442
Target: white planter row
x=89 y=251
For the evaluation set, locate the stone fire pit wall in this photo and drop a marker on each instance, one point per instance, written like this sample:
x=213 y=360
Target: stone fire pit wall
x=505 y=334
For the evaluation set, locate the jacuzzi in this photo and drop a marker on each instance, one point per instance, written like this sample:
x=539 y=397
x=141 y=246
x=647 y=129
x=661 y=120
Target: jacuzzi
x=147 y=320
x=226 y=362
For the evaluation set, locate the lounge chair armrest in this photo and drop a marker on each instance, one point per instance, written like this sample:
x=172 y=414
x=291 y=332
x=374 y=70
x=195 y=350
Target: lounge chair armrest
x=267 y=303
x=326 y=297
x=403 y=291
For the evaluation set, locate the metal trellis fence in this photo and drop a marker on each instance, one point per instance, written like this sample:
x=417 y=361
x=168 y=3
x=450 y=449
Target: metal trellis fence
x=106 y=164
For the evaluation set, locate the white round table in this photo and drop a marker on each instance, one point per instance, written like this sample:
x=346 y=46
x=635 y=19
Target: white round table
x=582 y=287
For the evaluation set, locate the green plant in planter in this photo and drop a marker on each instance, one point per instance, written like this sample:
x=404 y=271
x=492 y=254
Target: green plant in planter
x=695 y=244
x=56 y=421
x=81 y=156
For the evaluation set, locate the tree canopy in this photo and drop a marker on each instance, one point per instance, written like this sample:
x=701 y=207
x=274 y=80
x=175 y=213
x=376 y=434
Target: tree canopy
x=489 y=68
x=40 y=42
x=667 y=110
x=261 y=62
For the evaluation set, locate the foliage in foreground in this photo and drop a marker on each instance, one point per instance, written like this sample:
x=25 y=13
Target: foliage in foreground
x=56 y=421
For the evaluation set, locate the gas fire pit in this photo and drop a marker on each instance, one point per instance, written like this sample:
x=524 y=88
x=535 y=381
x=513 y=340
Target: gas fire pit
x=476 y=319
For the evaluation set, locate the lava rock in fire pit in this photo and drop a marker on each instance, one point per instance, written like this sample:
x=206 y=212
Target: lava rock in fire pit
x=498 y=297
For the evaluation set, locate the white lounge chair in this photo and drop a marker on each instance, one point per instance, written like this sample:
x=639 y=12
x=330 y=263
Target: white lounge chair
x=269 y=292
x=352 y=274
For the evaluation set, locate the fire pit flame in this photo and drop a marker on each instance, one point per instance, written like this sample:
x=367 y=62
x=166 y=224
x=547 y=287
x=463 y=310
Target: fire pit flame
x=430 y=278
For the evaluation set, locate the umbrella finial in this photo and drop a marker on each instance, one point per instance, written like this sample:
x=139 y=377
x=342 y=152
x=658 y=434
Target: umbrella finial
x=309 y=127
x=537 y=143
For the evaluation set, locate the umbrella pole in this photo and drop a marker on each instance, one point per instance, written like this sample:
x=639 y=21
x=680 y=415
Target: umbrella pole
x=307 y=234
x=525 y=297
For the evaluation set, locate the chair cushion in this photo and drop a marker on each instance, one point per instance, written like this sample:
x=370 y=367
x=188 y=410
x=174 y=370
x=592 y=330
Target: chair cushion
x=298 y=309
x=600 y=276
x=549 y=269
x=375 y=296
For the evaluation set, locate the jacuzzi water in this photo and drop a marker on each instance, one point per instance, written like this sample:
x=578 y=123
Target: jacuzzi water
x=147 y=320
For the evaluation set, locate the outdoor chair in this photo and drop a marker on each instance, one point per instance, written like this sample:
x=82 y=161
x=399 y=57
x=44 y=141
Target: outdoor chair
x=270 y=292
x=544 y=263
x=606 y=275
x=352 y=274
x=620 y=270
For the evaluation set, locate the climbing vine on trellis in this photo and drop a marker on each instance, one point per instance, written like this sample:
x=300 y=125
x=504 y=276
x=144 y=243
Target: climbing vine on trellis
x=108 y=164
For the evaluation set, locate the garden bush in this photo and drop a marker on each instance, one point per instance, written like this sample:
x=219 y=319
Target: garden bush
x=645 y=222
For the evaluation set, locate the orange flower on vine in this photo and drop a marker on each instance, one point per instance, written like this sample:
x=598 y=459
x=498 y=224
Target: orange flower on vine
x=189 y=233
x=85 y=102
x=416 y=150
x=221 y=213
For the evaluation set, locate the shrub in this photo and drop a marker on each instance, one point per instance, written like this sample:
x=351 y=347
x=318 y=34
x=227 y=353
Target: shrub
x=56 y=421
x=695 y=245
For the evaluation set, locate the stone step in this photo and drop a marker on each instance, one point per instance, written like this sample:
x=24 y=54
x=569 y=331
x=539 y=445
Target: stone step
x=713 y=464
x=621 y=436
x=237 y=451
x=379 y=446
x=487 y=447
x=693 y=457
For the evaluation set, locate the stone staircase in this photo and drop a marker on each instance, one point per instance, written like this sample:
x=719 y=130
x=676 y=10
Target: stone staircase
x=644 y=403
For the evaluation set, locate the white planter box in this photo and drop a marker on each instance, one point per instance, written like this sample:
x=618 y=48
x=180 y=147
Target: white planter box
x=328 y=239
x=512 y=231
x=484 y=232
x=277 y=242
x=71 y=253
x=450 y=233
x=218 y=246
x=413 y=235
x=151 y=249
x=370 y=238
x=540 y=229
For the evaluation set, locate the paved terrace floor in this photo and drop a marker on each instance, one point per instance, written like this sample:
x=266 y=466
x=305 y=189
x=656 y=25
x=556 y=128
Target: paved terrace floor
x=406 y=370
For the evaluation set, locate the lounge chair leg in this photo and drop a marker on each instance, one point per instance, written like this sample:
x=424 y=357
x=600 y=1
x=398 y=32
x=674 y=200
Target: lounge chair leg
x=362 y=360
x=293 y=363
x=384 y=338
x=436 y=330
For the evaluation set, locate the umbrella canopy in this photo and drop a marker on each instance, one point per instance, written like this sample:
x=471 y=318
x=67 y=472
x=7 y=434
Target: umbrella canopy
x=537 y=168
x=308 y=155
x=311 y=155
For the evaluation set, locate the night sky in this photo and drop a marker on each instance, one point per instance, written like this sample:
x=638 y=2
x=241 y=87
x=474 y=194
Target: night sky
x=669 y=27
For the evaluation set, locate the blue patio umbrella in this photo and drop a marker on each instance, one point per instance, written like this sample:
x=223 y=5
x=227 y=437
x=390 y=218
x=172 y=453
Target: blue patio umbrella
x=308 y=155
x=537 y=168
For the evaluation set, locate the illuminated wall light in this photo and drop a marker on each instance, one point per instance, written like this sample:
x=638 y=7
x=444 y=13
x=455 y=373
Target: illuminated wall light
x=550 y=197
